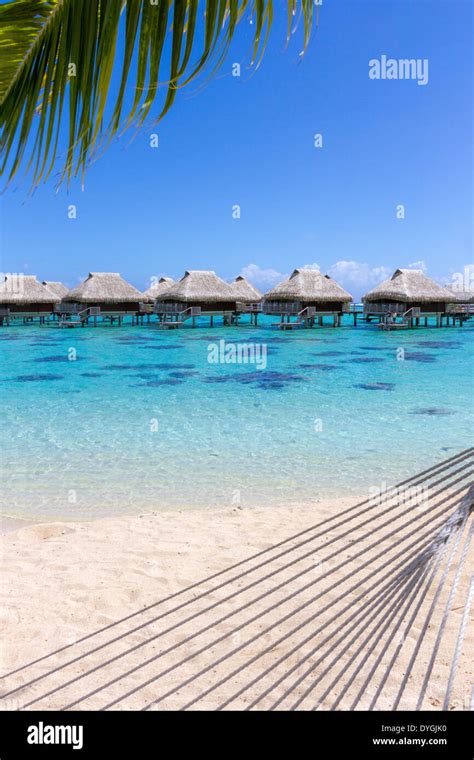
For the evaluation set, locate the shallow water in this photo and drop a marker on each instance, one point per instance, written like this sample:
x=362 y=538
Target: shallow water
x=142 y=421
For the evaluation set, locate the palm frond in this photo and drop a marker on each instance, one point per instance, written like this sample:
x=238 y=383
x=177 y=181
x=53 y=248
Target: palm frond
x=58 y=57
x=20 y=25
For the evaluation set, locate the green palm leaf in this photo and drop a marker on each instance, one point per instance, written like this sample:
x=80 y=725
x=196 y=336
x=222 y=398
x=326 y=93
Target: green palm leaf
x=57 y=59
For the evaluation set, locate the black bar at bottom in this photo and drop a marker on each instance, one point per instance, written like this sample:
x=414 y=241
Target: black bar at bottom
x=154 y=734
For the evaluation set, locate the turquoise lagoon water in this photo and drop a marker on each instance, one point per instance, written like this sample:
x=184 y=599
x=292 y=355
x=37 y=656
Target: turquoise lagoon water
x=141 y=421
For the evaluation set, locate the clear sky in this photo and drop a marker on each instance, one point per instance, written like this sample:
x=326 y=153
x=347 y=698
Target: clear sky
x=250 y=141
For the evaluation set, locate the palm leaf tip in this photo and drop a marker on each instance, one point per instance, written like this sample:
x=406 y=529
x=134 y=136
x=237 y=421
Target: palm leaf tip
x=20 y=25
x=40 y=38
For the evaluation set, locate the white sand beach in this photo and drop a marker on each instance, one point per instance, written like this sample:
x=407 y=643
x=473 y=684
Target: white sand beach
x=64 y=581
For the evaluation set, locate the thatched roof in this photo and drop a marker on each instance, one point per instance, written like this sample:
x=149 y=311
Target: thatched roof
x=25 y=289
x=198 y=286
x=462 y=296
x=56 y=287
x=104 y=287
x=307 y=286
x=409 y=286
x=159 y=287
x=244 y=291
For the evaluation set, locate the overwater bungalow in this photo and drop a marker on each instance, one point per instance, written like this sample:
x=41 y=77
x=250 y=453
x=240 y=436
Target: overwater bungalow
x=248 y=300
x=463 y=302
x=104 y=294
x=198 y=292
x=406 y=297
x=462 y=296
x=244 y=291
x=56 y=287
x=309 y=296
x=158 y=288
x=23 y=297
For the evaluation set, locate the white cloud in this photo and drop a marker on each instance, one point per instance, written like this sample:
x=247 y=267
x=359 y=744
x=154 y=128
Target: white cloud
x=357 y=274
x=418 y=265
x=264 y=278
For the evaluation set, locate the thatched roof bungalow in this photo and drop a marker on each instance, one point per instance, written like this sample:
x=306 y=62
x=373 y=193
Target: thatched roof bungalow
x=107 y=290
x=407 y=288
x=244 y=291
x=461 y=296
x=158 y=288
x=23 y=293
x=306 y=287
x=199 y=288
x=56 y=287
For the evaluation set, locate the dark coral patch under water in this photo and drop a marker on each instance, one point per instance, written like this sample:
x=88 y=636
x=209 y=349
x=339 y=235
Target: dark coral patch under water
x=131 y=343
x=140 y=367
x=132 y=339
x=156 y=383
x=182 y=375
x=62 y=358
x=419 y=356
x=208 y=338
x=439 y=343
x=365 y=360
x=259 y=378
x=433 y=411
x=262 y=376
x=37 y=378
x=45 y=342
x=375 y=386
x=323 y=367
x=277 y=339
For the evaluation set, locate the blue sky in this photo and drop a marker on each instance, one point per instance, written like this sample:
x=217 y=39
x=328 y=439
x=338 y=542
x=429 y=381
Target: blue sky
x=250 y=141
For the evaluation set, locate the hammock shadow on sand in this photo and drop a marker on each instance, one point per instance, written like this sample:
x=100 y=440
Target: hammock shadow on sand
x=365 y=610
